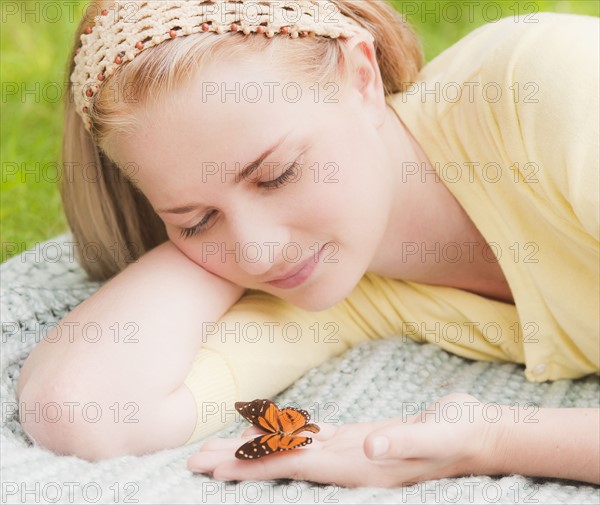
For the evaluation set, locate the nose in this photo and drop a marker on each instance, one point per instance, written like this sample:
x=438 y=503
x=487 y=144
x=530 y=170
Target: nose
x=258 y=241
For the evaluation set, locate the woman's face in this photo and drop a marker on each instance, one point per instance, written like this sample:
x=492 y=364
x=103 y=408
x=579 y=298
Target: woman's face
x=254 y=225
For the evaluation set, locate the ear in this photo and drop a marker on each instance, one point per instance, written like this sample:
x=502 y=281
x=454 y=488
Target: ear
x=365 y=76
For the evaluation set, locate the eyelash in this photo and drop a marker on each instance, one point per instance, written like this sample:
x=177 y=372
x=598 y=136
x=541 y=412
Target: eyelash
x=283 y=179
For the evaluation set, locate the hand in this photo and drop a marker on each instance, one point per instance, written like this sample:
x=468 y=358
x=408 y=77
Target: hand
x=442 y=441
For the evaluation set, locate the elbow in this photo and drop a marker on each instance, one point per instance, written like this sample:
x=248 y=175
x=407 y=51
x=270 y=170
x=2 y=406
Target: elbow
x=51 y=418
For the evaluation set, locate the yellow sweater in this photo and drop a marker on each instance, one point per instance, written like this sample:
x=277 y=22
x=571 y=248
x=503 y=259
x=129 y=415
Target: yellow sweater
x=509 y=118
x=519 y=150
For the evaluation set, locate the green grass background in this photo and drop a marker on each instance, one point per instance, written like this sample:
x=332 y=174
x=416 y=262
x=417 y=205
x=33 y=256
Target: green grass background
x=34 y=43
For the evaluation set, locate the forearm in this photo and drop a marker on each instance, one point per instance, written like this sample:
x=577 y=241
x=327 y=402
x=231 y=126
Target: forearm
x=550 y=442
x=158 y=303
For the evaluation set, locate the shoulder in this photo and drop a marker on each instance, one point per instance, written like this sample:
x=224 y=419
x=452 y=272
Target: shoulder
x=547 y=76
x=550 y=75
x=554 y=48
x=530 y=87
x=518 y=40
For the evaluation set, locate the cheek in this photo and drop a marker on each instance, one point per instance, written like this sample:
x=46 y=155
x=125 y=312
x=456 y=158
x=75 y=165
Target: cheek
x=201 y=253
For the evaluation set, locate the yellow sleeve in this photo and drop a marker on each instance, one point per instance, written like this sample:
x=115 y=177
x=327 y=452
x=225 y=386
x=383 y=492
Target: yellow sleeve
x=263 y=344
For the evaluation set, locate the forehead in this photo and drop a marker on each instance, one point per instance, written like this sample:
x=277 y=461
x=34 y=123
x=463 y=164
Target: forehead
x=225 y=116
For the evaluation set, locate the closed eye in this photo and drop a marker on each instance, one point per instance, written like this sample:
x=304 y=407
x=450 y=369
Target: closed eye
x=198 y=228
x=292 y=174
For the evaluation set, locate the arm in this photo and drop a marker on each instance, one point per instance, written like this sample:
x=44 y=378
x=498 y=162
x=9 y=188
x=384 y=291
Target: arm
x=493 y=439
x=164 y=297
x=455 y=436
x=562 y=443
x=143 y=328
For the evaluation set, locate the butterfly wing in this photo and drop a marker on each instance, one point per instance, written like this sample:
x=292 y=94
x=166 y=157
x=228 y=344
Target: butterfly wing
x=258 y=447
x=308 y=427
x=282 y=427
x=271 y=419
x=291 y=419
x=269 y=444
x=266 y=415
x=255 y=413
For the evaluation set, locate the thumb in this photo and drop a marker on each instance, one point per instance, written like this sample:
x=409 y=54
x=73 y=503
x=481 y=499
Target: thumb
x=253 y=431
x=403 y=442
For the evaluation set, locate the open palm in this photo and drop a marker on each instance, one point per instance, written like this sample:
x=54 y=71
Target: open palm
x=420 y=447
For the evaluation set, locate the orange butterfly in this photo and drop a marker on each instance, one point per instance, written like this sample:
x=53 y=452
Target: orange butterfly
x=282 y=427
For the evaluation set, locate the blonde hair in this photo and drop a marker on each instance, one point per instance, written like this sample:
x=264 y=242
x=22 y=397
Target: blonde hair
x=112 y=222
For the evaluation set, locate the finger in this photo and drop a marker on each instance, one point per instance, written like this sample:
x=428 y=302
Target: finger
x=326 y=431
x=279 y=465
x=252 y=431
x=213 y=453
x=222 y=444
x=207 y=461
x=219 y=450
x=404 y=441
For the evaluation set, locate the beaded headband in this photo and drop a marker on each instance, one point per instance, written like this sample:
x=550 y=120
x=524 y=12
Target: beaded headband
x=128 y=28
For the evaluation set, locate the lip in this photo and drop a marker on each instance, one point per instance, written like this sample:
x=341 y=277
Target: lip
x=299 y=274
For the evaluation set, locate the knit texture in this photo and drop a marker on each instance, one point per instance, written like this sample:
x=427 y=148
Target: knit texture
x=375 y=380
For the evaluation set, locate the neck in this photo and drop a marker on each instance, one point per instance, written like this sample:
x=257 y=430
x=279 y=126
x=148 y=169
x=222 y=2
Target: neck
x=425 y=216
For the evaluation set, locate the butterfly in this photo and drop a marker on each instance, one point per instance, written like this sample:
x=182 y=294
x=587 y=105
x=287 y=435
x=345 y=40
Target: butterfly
x=282 y=426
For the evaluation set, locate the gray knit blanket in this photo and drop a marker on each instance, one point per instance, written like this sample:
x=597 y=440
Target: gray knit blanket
x=368 y=382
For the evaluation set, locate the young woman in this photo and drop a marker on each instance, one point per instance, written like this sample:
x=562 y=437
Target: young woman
x=262 y=193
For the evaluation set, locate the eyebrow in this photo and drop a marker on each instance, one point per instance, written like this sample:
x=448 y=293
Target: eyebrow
x=244 y=174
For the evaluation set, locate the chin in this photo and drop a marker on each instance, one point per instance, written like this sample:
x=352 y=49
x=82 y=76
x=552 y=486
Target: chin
x=324 y=295
x=316 y=304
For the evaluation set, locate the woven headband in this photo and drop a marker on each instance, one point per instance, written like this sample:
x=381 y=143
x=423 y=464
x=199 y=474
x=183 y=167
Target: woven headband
x=128 y=28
